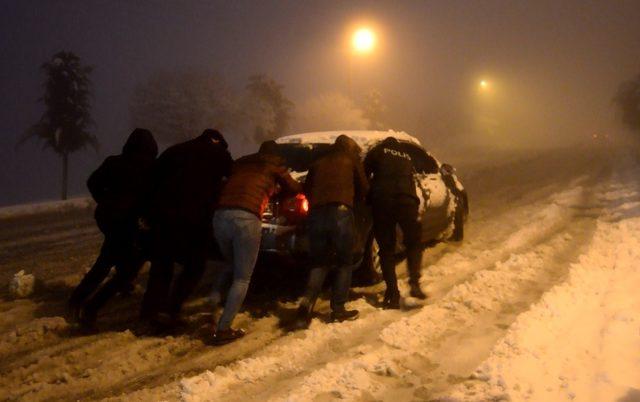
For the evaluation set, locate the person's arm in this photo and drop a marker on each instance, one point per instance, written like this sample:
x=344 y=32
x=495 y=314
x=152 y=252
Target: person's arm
x=370 y=162
x=227 y=164
x=99 y=182
x=288 y=183
x=361 y=181
x=308 y=181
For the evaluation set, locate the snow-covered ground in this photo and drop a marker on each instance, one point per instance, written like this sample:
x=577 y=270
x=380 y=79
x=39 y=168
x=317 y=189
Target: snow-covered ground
x=540 y=303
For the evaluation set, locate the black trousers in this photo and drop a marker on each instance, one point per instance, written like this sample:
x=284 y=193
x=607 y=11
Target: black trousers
x=387 y=213
x=123 y=248
x=172 y=243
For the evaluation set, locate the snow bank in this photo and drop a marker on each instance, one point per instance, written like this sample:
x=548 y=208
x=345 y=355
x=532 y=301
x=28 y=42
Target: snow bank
x=15 y=211
x=581 y=341
x=22 y=284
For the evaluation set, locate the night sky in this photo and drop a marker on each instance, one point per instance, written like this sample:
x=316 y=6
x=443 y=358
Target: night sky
x=555 y=65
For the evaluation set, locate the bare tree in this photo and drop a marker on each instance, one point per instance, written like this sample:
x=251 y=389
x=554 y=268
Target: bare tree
x=64 y=125
x=177 y=106
x=268 y=108
x=628 y=101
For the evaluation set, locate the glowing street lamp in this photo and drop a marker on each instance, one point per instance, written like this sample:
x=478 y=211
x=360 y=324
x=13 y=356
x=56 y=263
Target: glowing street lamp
x=363 y=40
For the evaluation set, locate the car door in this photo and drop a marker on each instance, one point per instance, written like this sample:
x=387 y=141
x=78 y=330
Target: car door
x=435 y=198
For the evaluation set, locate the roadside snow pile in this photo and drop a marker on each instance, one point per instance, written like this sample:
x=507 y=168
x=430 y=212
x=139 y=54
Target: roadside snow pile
x=15 y=211
x=581 y=341
x=22 y=284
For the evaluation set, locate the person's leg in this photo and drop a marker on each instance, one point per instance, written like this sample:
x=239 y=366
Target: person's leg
x=343 y=237
x=92 y=279
x=193 y=269
x=223 y=234
x=160 y=273
x=411 y=233
x=318 y=256
x=384 y=228
x=246 y=245
x=125 y=274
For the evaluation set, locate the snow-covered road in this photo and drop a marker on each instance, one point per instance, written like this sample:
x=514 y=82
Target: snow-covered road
x=539 y=303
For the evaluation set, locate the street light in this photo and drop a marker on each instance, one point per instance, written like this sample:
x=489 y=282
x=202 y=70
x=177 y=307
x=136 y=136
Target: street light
x=484 y=85
x=363 y=40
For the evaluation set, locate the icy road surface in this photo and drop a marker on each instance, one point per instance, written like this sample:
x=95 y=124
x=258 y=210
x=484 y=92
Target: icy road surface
x=541 y=302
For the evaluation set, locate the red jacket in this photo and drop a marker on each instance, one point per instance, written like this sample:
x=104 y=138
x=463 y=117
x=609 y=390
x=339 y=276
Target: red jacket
x=253 y=181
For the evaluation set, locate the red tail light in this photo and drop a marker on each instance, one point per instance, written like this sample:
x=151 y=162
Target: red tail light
x=295 y=208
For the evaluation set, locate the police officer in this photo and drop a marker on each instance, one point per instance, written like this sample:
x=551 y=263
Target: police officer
x=394 y=201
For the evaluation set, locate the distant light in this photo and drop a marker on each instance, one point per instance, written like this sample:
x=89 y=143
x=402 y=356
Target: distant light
x=363 y=40
x=484 y=84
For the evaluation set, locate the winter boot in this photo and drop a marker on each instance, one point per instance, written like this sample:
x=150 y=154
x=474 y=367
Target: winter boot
x=416 y=291
x=302 y=319
x=87 y=321
x=224 y=336
x=391 y=299
x=342 y=314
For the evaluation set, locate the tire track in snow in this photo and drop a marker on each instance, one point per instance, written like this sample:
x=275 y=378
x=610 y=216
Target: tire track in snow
x=301 y=355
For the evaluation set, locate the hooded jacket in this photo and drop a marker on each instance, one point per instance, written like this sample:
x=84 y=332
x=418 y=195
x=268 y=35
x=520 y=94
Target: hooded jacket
x=187 y=178
x=118 y=186
x=392 y=169
x=253 y=181
x=338 y=176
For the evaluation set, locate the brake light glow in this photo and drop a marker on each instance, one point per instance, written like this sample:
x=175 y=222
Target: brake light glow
x=303 y=203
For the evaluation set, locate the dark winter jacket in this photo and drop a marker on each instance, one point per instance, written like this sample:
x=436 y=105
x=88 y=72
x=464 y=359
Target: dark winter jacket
x=392 y=170
x=187 y=178
x=118 y=186
x=338 y=176
x=253 y=181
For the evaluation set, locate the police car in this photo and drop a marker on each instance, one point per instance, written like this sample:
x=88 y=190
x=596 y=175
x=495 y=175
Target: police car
x=443 y=199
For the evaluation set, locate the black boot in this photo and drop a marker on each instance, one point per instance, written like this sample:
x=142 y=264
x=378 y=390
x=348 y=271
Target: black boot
x=224 y=336
x=391 y=299
x=416 y=291
x=302 y=319
x=87 y=321
x=342 y=314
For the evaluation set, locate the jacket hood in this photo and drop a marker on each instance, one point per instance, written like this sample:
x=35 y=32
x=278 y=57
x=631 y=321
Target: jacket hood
x=140 y=143
x=390 y=141
x=347 y=144
x=211 y=134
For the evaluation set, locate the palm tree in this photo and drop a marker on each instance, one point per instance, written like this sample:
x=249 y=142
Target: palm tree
x=64 y=125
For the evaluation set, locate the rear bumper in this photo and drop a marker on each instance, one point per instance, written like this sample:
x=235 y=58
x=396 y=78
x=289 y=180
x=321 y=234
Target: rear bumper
x=284 y=240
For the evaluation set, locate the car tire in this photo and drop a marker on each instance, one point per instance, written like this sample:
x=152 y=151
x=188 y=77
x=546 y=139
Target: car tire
x=370 y=271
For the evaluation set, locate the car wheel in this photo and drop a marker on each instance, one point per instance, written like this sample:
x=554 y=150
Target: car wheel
x=370 y=271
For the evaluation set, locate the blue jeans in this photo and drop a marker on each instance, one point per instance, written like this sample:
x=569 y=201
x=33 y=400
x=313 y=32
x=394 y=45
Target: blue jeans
x=331 y=238
x=238 y=234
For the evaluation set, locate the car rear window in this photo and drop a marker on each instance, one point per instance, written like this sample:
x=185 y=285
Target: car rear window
x=300 y=156
x=422 y=161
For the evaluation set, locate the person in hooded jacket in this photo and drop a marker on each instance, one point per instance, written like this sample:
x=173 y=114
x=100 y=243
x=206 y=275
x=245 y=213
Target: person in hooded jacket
x=186 y=183
x=237 y=225
x=335 y=183
x=118 y=187
x=394 y=201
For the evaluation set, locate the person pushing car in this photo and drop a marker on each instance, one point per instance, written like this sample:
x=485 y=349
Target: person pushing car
x=394 y=202
x=237 y=227
x=334 y=183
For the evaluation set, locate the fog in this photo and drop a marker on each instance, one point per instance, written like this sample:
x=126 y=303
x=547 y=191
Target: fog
x=551 y=70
